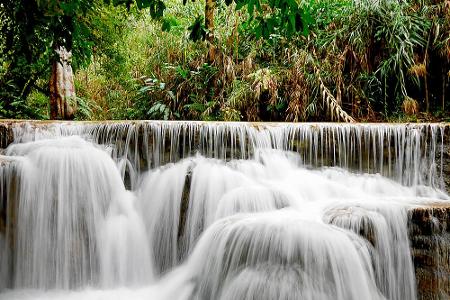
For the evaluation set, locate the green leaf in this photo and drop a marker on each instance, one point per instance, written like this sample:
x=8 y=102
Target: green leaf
x=250 y=8
x=291 y=26
x=166 y=26
x=157 y=8
x=292 y=4
x=198 y=30
x=258 y=31
x=141 y=4
x=183 y=73
x=240 y=4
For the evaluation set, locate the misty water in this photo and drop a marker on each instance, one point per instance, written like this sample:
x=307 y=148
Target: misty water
x=191 y=210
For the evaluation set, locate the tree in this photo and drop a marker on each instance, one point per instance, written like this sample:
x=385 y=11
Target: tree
x=39 y=34
x=43 y=39
x=62 y=21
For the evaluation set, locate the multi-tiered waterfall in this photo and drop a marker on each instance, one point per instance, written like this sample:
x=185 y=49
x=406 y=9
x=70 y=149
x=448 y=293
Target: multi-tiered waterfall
x=191 y=210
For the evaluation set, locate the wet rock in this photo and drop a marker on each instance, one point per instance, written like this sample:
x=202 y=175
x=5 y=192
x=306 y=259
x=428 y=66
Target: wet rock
x=429 y=230
x=6 y=134
x=356 y=219
x=9 y=193
x=184 y=213
x=8 y=210
x=446 y=159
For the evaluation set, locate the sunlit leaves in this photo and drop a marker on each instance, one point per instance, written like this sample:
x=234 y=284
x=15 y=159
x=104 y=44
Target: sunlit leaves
x=156 y=7
x=267 y=17
x=169 y=23
x=64 y=7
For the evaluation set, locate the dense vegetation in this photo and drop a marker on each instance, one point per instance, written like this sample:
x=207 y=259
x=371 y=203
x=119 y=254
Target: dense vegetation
x=270 y=60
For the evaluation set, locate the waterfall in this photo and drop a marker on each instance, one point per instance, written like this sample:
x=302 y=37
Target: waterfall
x=193 y=210
x=76 y=224
x=411 y=153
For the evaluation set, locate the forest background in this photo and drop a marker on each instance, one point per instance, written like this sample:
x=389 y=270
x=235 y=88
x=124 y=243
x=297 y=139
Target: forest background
x=233 y=60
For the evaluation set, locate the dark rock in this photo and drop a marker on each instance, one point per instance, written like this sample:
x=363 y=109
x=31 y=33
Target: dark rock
x=6 y=134
x=430 y=248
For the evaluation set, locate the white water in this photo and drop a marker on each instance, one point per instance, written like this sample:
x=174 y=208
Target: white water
x=273 y=224
x=74 y=217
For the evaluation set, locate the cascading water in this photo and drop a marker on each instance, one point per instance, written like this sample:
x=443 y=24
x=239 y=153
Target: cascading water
x=190 y=210
x=75 y=221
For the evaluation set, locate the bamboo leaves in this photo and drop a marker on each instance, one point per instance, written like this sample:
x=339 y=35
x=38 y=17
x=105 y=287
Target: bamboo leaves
x=267 y=17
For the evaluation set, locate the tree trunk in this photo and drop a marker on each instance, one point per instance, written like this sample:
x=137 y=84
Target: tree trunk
x=62 y=89
x=209 y=25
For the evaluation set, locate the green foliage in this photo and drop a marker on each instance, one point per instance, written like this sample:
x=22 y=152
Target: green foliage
x=29 y=32
x=363 y=52
x=170 y=23
x=197 y=29
x=156 y=7
x=268 y=17
x=147 y=59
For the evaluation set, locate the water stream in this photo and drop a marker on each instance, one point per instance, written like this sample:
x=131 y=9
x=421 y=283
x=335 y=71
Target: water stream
x=191 y=210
